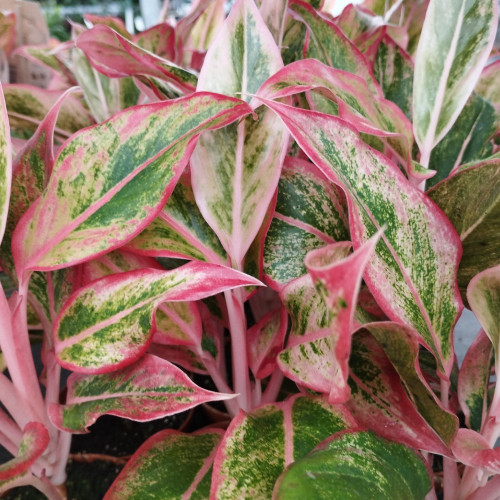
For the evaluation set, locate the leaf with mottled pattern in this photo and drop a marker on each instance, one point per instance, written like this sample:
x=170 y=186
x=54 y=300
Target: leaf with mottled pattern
x=5 y=165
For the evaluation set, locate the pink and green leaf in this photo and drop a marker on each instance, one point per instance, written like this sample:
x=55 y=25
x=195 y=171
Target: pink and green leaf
x=159 y=40
x=472 y=449
x=235 y=170
x=462 y=33
x=274 y=14
x=150 y=388
x=180 y=231
x=7 y=32
x=116 y=57
x=470 y=199
x=169 y=464
x=473 y=381
x=109 y=323
x=115 y=23
x=379 y=401
x=35 y=441
x=310 y=213
x=356 y=464
x=5 y=165
x=95 y=201
x=487 y=86
x=257 y=447
x=408 y=267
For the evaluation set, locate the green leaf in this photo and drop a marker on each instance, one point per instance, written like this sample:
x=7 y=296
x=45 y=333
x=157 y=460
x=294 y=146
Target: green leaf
x=471 y=200
x=356 y=465
x=310 y=212
x=462 y=33
x=468 y=140
x=169 y=465
x=258 y=446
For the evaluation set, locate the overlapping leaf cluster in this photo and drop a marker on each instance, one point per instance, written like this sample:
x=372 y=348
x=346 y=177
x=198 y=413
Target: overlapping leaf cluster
x=320 y=193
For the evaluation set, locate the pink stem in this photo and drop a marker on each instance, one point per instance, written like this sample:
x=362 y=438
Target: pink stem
x=10 y=433
x=14 y=403
x=237 y=326
x=273 y=387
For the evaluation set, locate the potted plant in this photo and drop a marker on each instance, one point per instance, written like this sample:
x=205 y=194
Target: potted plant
x=294 y=204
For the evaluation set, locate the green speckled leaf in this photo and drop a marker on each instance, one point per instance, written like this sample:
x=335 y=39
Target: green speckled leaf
x=150 y=388
x=258 y=446
x=473 y=381
x=235 y=170
x=471 y=200
x=462 y=33
x=468 y=139
x=5 y=165
x=169 y=465
x=354 y=466
x=487 y=86
x=310 y=212
x=111 y=180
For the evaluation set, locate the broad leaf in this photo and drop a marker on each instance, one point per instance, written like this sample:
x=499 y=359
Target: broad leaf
x=379 y=401
x=235 y=170
x=159 y=40
x=5 y=165
x=419 y=251
x=35 y=441
x=115 y=56
x=462 y=33
x=257 y=447
x=483 y=294
x=487 y=86
x=473 y=381
x=356 y=465
x=89 y=332
x=95 y=201
x=149 y=389
x=180 y=231
x=472 y=449
x=310 y=213
x=169 y=464
x=471 y=200
x=468 y=139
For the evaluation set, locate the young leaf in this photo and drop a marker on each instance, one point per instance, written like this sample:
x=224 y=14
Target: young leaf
x=95 y=201
x=356 y=465
x=5 y=165
x=35 y=441
x=169 y=464
x=408 y=267
x=472 y=449
x=257 y=447
x=470 y=199
x=235 y=170
x=148 y=389
x=462 y=33
x=310 y=212
x=473 y=381
x=116 y=57
x=379 y=401
x=89 y=332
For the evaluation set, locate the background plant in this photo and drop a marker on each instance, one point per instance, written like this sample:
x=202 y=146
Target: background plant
x=349 y=164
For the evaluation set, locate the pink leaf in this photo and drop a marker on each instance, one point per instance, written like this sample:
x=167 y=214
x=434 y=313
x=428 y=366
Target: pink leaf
x=473 y=450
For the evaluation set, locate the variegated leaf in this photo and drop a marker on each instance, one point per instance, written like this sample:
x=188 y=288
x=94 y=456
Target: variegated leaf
x=319 y=359
x=5 y=165
x=169 y=464
x=108 y=324
x=328 y=44
x=235 y=170
x=473 y=381
x=472 y=449
x=471 y=200
x=116 y=57
x=468 y=139
x=265 y=340
x=402 y=348
x=462 y=33
x=419 y=251
x=159 y=39
x=310 y=212
x=356 y=465
x=487 y=86
x=379 y=401
x=27 y=106
x=368 y=113
x=35 y=441
x=257 y=447
x=150 y=388
x=95 y=201
x=180 y=231
x=115 y=23
x=393 y=69
x=274 y=14
x=183 y=356
x=483 y=294
x=7 y=32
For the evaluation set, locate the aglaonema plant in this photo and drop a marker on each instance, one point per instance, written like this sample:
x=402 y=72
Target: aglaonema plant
x=293 y=204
